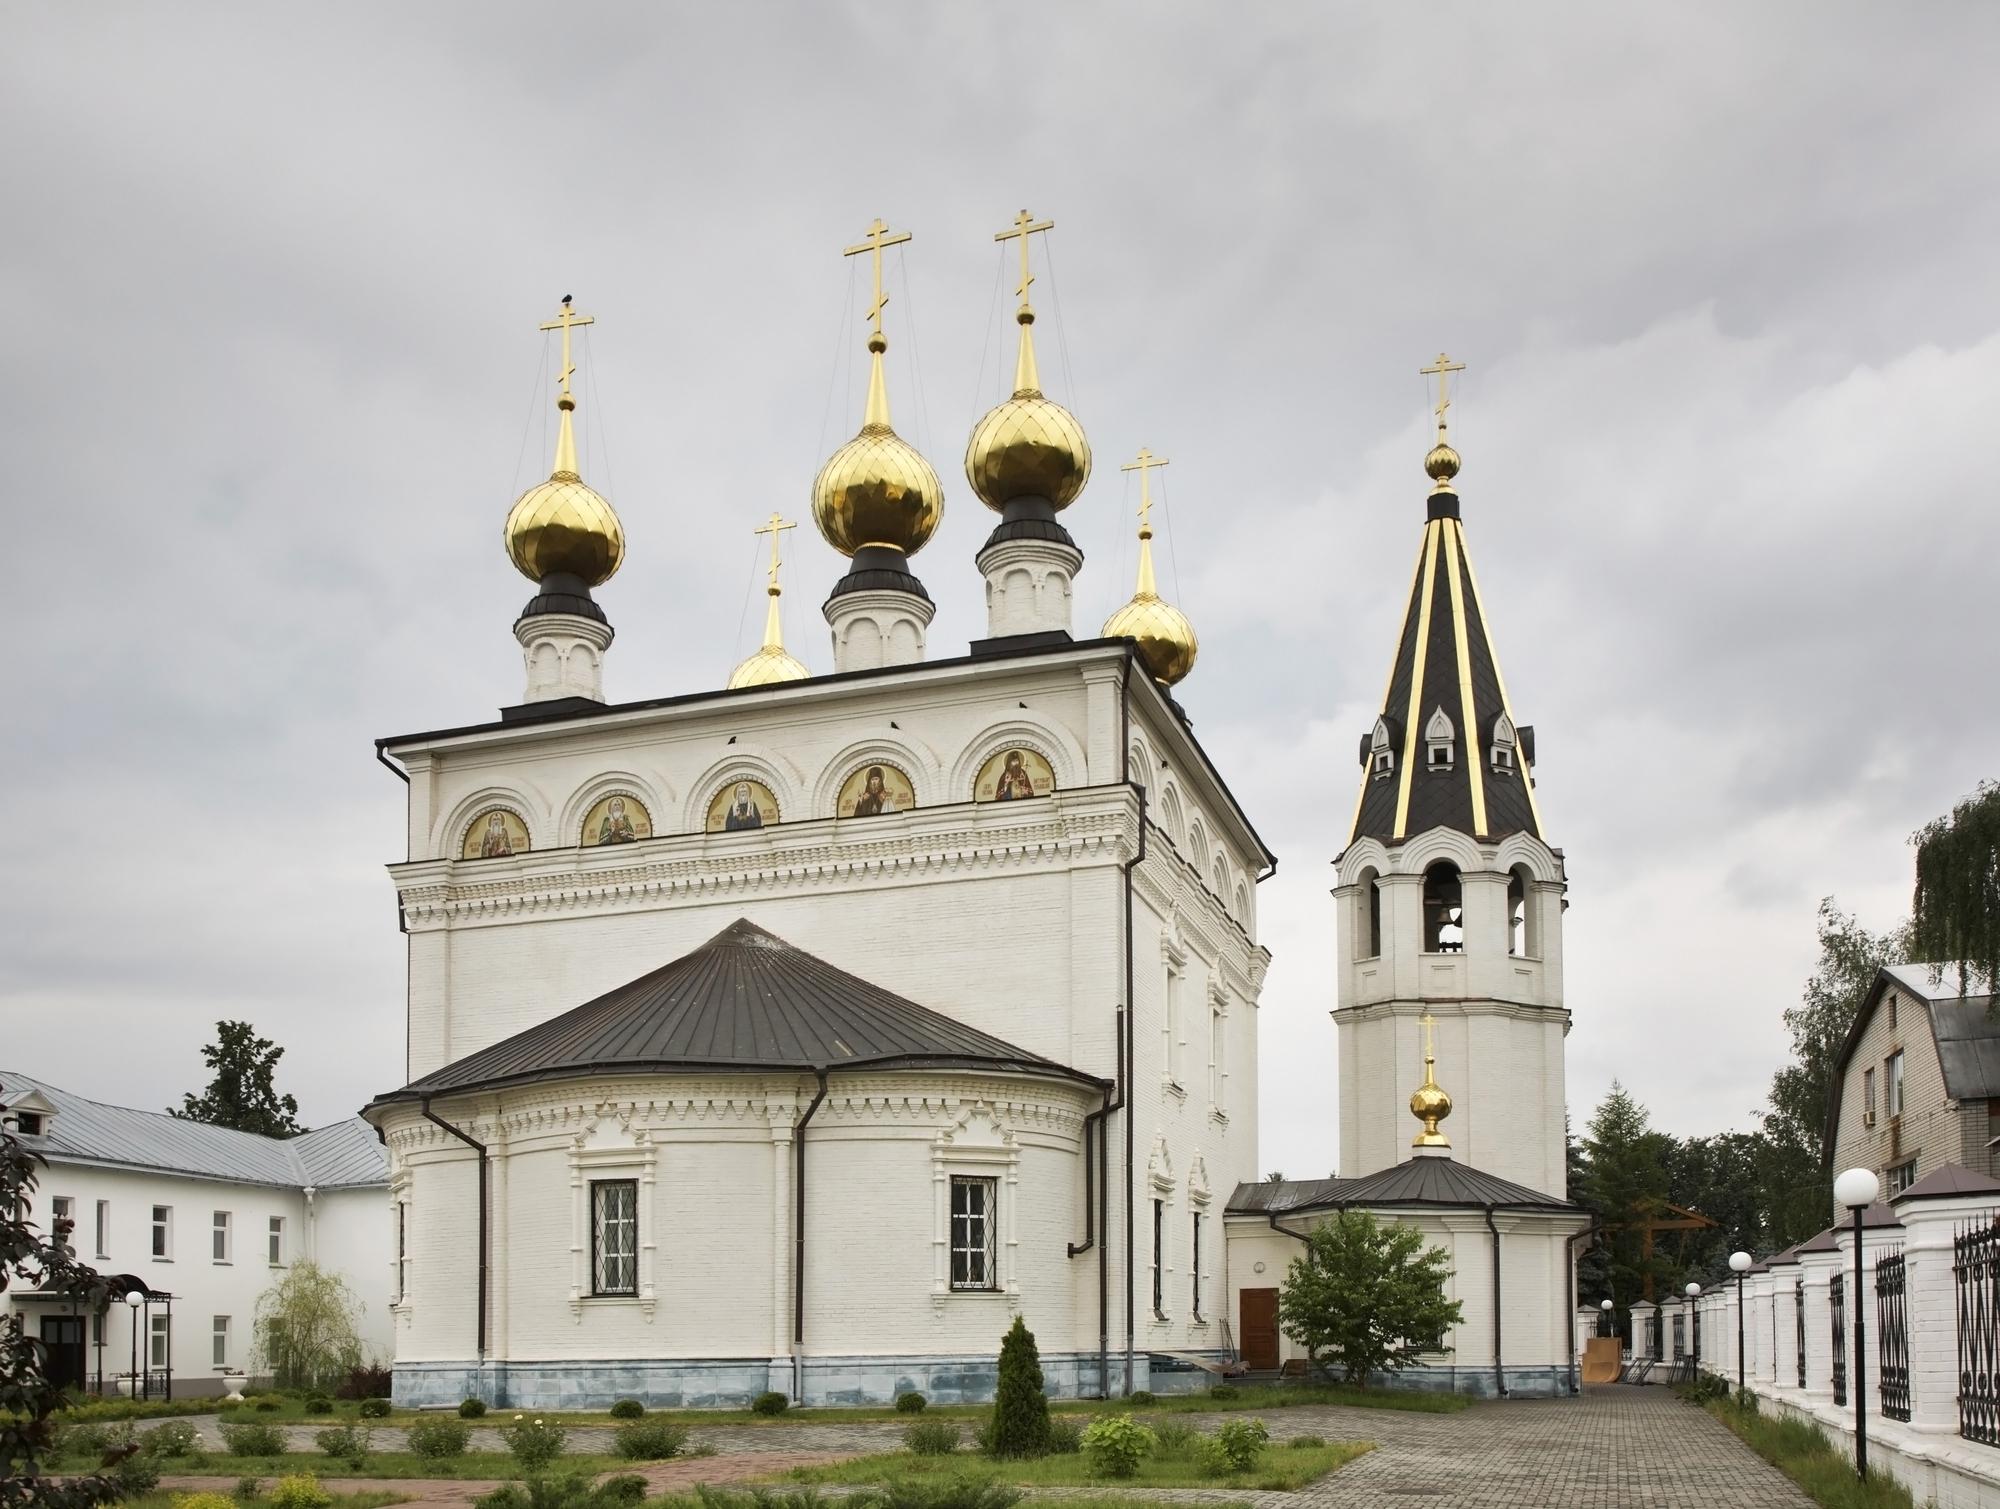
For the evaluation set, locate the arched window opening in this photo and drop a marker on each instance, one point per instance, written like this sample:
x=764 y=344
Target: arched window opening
x=1381 y=755
x=1517 y=914
x=1438 y=736
x=1504 y=742
x=1444 y=909
x=1374 y=903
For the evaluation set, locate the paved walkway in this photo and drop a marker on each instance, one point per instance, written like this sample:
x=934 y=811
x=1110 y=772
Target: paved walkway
x=1617 y=1447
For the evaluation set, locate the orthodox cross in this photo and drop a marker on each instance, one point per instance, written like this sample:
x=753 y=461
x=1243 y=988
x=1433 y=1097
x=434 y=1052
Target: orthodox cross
x=878 y=237
x=1442 y=369
x=1143 y=464
x=563 y=323
x=778 y=526
x=1430 y=1042
x=1025 y=225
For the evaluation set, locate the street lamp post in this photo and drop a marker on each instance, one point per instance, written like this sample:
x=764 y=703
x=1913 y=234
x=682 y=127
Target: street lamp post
x=1739 y=1264
x=1856 y=1189
x=1610 y=1320
x=133 y=1300
x=1693 y=1292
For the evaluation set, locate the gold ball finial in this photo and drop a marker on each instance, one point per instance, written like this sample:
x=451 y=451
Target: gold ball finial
x=1429 y=1104
x=1441 y=465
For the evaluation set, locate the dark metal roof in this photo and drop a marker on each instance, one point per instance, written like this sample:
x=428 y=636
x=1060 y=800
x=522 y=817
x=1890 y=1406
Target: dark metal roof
x=1944 y=1183
x=745 y=1000
x=1965 y=1030
x=1453 y=624
x=1826 y=1241
x=1418 y=1181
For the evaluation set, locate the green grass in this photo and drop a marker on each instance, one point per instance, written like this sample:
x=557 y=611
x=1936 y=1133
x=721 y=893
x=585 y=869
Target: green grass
x=164 y=1499
x=1278 y=1467
x=1292 y=1395
x=1802 y=1452
x=380 y=1464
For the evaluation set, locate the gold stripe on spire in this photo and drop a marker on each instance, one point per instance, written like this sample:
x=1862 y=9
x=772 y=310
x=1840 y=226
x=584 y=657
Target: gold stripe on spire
x=1411 y=728
x=1506 y=704
x=1469 y=728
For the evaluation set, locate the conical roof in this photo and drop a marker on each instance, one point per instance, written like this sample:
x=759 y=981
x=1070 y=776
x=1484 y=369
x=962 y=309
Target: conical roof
x=745 y=1000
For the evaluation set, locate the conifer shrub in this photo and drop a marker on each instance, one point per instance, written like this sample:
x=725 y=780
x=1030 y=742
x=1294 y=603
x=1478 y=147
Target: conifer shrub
x=1020 y=1407
x=471 y=1409
x=912 y=1403
x=627 y=1409
x=374 y=1408
x=771 y=1403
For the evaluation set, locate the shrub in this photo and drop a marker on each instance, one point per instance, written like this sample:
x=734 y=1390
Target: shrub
x=650 y=1440
x=627 y=1409
x=1116 y=1446
x=1367 y=1296
x=626 y=1488
x=209 y=1500
x=1235 y=1446
x=270 y=1402
x=253 y=1438
x=1141 y=1399
x=772 y=1403
x=1020 y=1408
x=318 y=1404
x=1065 y=1436
x=93 y=1439
x=374 y=1407
x=1306 y=1443
x=136 y=1476
x=300 y=1491
x=248 y=1489
x=348 y=1442
x=437 y=1437
x=1176 y=1436
x=535 y=1443
x=506 y=1496
x=911 y=1403
x=366 y=1381
x=958 y=1491
x=471 y=1409
x=177 y=1438
x=1219 y=1391
x=932 y=1438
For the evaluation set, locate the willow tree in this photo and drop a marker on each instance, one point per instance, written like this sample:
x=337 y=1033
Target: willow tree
x=308 y=1328
x=1956 y=910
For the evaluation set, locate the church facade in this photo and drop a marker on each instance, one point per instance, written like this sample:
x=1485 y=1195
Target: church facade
x=800 y=1034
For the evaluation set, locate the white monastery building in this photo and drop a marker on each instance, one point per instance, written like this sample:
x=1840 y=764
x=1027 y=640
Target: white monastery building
x=198 y=1221
x=800 y=1034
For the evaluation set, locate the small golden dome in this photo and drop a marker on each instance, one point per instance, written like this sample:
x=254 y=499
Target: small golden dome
x=877 y=489
x=1028 y=446
x=561 y=525
x=1166 y=638
x=1429 y=1104
x=769 y=666
x=1441 y=465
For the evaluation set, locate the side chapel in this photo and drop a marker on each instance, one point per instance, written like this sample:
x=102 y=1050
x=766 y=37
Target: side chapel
x=719 y=1079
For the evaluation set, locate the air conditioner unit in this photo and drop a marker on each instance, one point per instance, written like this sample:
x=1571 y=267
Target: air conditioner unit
x=1868 y=1118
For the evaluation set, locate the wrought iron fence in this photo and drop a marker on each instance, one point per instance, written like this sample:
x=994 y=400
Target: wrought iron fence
x=1975 y=1267
x=1799 y=1325
x=1892 y=1332
x=1837 y=1302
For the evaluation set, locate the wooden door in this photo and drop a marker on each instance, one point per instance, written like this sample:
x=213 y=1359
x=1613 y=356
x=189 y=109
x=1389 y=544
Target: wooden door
x=63 y=1336
x=1257 y=1324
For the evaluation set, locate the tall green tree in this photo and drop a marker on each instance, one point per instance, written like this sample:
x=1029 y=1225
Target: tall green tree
x=1624 y=1181
x=1795 y=1177
x=1956 y=909
x=1020 y=1406
x=242 y=1093
x=1367 y=1297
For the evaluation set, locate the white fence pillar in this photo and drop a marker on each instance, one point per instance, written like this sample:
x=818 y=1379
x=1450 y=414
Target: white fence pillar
x=1931 y=1303
x=1644 y=1344
x=1817 y=1265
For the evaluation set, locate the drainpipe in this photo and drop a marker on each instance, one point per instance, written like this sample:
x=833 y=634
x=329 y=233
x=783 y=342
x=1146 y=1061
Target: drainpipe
x=799 y=1239
x=1127 y=1014
x=1569 y=1315
x=1499 y=1375
x=312 y=1223
x=424 y=1107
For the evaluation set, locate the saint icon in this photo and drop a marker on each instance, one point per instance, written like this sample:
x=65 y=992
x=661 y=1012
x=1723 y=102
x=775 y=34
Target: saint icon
x=616 y=827
x=1014 y=782
x=742 y=811
x=495 y=843
x=875 y=798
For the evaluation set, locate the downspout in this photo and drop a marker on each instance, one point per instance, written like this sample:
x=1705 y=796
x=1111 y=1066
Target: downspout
x=424 y=1106
x=799 y=1239
x=1127 y=1013
x=1499 y=1375
x=1569 y=1280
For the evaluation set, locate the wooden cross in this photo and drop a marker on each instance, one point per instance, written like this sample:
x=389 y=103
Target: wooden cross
x=563 y=322
x=1025 y=225
x=878 y=237
x=1442 y=369
x=778 y=526
x=1143 y=464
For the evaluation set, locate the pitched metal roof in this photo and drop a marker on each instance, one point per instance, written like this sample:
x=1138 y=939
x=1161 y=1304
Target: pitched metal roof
x=346 y=1153
x=1445 y=661
x=1964 y=1028
x=1442 y=1182
x=745 y=1000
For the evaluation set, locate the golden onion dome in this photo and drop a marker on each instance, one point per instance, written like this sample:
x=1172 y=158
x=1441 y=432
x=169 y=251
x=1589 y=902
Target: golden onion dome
x=771 y=664
x=1165 y=637
x=1429 y=1104
x=877 y=489
x=1028 y=446
x=561 y=525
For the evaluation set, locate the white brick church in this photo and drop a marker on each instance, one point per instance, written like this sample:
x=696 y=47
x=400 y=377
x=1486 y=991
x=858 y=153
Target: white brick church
x=799 y=1034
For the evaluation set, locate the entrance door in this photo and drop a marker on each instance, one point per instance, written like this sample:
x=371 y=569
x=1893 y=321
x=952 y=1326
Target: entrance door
x=63 y=1336
x=1257 y=1323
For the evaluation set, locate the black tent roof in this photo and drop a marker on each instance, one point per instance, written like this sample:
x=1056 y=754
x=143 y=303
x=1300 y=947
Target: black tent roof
x=745 y=1000
x=1416 y=1181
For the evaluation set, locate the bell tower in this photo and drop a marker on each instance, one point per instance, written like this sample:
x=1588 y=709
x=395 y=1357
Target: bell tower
x=1449 y=897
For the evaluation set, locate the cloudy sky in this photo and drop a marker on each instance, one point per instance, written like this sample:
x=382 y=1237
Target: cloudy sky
x=1724 y=275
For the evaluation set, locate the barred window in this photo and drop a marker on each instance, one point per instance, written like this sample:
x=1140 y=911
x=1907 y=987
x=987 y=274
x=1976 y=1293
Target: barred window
x=614 y=1236
x=1160 y=1259
x=973 y=1238
x=1195 y=1309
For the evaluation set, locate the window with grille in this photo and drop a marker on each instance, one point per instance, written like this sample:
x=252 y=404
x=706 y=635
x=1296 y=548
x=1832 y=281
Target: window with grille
x=1196 y=1305
x=614 y=1236
x=973 y=1235
x=402 y=1250
x=1160 y=1259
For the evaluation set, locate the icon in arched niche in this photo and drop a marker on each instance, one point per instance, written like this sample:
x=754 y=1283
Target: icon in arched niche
x=617 y=819
x=494 y=834
x=873 y=789
x=742 y=804
x=1013 y=775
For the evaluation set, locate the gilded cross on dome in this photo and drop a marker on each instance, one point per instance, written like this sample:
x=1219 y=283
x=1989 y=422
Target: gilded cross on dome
x=878 y=236
x=775 y=529
x=1442 y=369
x=1144 y=464
x=564 y=322
x=1025 y=225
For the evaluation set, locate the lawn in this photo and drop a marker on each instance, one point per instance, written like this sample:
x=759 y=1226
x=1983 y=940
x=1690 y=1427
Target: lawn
x=1802 y=1452
x=1292 y=1395
x=1278 y=1467
x=164 y=1499
x=380 y=1464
